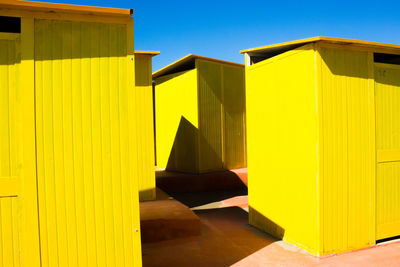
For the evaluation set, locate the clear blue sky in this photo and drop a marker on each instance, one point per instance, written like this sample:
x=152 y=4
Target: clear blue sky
x=220 y=29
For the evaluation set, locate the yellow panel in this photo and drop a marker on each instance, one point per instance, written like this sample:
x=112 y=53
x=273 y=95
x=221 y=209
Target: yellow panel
x=234 y=107
x=144 y=105
x=216 y=91
x=9 y=232
x=346 y=151
x=8 y=122
x=388 y=200
x=28 y=208
x=387 y=90
x=177 y=121
x=10 y=153
x=87 y=169
x=210 y=115
x=282 y=127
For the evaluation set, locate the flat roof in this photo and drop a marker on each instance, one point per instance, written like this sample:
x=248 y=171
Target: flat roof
x=282 y=47
x=67 y=8
x=150 y=53
x=188 y=62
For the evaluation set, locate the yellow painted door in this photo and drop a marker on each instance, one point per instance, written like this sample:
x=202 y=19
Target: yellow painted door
x=387 y=93
x=13 y=237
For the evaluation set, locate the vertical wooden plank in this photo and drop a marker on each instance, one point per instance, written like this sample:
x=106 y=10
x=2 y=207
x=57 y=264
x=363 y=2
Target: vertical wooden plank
x=39 y=61
x=16 y=228
x=106 y=141
x=95 y=45
x=57 y=44
x=68 y=144
x=78 y=144
x=143 y=80
x=4 y=108
x=6 y=227
x=30 y=252
x=125 y=159
x=115 y=144
x=86 y=107
x=319 y=148
x=372 y=138
x=133 y=146
x=13 y=114
x=47 y=178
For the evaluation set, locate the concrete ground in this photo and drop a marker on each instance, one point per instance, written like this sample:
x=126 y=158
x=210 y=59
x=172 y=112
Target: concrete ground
x=228 y=240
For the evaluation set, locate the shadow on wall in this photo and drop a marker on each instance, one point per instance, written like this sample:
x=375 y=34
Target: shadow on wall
x=184 y=155
x=265 y=224
x=346 y=62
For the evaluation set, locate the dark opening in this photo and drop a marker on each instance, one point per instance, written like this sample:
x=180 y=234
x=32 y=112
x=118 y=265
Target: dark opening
x=388 y=239
x=387 y=58
x=10 y=24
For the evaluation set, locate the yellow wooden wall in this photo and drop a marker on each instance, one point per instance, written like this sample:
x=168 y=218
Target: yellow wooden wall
x=10 y=149
x=210 y=90
x=144 y=111
x=387 y=83
x=86 y=141
x=282 y=136
x=222 y=113
x=215 y=140
x=234 y=108
x=312 y=160
x=177 y=121
x=347 y=156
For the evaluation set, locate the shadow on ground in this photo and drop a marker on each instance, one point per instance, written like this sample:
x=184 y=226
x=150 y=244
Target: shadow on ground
x=226 y=237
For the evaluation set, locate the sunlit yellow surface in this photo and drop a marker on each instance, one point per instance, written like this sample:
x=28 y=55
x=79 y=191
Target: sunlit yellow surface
x=200 y=116
x=144 y=119
x=69 y=141
x=10 y=149
x=387 y=83
x=282 y=134
x=313 y=178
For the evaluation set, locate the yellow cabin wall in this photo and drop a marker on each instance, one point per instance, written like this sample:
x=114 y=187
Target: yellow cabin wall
x=346 y=149
x=234 y=95
x=11 y=162
x=177 y=121
x=282 y=137
x=211 y=137
x=222 y=127
x=144 y=105
x=387 y=83
x=87 y=168
x=210 y=90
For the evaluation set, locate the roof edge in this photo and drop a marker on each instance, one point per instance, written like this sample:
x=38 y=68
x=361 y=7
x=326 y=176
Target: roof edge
x=300 y=41
x=150 y=53
x=325 y=39
x=165 y=70
x=67 y=8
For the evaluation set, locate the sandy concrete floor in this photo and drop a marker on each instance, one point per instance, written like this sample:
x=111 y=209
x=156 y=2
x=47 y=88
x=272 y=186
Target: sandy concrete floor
x=228 y=240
